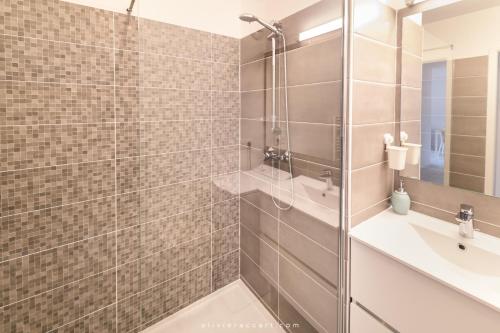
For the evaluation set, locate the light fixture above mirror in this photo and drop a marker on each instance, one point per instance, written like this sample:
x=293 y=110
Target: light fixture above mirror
x=321 y=29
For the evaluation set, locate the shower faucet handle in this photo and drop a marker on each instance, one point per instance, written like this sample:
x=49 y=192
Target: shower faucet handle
x=327 y=176
x=286 y=156
x=325 y=173
x=465 y=219
x=270 y=154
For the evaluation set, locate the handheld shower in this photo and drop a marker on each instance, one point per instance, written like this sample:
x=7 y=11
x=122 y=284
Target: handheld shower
x=252 y=18
x=275 y=34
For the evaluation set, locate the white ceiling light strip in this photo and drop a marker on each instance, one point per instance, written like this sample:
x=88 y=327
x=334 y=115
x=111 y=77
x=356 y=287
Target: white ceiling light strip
x=321 y=29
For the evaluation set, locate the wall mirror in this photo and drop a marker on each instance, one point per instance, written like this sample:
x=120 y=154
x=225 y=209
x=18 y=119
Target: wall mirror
x=450 y=92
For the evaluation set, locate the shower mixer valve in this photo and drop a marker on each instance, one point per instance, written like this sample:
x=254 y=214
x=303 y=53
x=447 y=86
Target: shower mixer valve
x=272 y=155
x=286 y=156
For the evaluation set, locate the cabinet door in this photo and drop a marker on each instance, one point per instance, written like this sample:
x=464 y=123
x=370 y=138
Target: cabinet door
x=363 y=322
x=411 y=302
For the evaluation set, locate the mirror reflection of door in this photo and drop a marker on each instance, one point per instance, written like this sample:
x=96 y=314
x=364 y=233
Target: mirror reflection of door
x=460 y=80
x=433 y=122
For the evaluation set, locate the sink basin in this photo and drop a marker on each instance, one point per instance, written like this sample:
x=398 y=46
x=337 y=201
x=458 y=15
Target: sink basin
x=316 y=191
x=311 y=196
x=272 y=173
x=435 y=248
x=465 y=257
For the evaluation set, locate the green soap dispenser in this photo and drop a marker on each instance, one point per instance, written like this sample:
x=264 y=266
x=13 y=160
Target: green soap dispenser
x=400 y=201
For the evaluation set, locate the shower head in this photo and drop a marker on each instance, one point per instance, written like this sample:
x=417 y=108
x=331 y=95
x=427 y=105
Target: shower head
x=410 y=3
x=252 y=18
x=248 y=18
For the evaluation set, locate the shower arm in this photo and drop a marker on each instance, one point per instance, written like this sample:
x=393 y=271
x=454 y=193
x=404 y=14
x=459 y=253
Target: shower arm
x=129 y=9
x=274 y=35
x=273 y=119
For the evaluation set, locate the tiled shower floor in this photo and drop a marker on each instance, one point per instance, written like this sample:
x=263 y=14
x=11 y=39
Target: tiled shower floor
x=233 y=308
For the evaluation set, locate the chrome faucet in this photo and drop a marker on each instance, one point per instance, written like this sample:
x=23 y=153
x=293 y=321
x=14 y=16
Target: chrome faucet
x=270 y=154
x=326 y=176
x=286 y=156
x=465 y=218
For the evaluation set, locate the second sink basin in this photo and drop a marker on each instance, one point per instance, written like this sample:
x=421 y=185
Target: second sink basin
x=467 y=257
x=316 y=191
x=435 y=248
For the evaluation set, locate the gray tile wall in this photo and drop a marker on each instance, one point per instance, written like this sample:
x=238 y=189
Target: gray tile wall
x=289 y=258
x=373 y=111
x=468 y=123
x=114 y=136
x=410 y=88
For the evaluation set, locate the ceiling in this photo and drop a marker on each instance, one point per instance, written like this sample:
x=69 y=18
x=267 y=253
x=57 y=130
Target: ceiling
x=457 y=9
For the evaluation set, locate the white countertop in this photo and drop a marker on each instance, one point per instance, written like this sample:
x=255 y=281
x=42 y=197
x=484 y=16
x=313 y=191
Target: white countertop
x=430 y=246
x=310 y=195
x=307 y=193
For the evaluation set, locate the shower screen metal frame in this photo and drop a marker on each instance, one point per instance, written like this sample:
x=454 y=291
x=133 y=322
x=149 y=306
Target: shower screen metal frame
x=343 y=291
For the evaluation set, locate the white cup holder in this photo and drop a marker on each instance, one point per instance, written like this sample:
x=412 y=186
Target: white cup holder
x=413 y=154
x=397 y=157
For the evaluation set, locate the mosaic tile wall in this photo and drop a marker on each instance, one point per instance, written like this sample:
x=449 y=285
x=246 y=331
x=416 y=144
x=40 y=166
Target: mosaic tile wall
x=118 y=170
